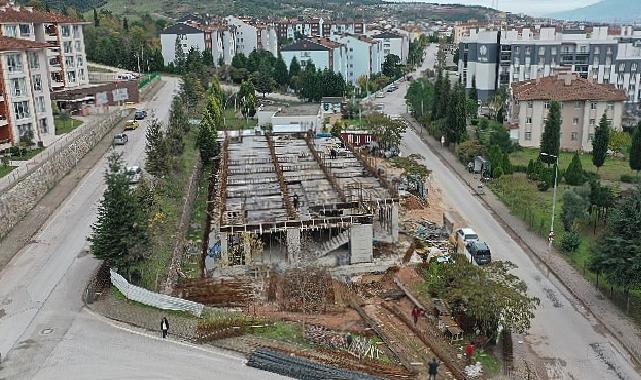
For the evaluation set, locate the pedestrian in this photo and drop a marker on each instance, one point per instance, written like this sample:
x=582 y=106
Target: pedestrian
x=164 y=327
x=415 y=314
x=349 y=340
x=296 y=201
x=442 y=141
x=432 y=369
x=469 y=352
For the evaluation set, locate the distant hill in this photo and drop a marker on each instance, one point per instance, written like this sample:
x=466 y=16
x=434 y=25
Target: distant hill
x=604 y=11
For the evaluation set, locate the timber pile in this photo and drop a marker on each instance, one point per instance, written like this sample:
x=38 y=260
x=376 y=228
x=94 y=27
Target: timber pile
x=307 y=289
x=224 y=293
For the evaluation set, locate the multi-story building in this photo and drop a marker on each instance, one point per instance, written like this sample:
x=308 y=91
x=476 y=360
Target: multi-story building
x=603 y=54
x=583 y=103
x=362 y=56
x=316 y=27
x=220 y=39
x=393 y=43
x=323 y=53
x=66 y=60
x=25 y=104
x=252 y=34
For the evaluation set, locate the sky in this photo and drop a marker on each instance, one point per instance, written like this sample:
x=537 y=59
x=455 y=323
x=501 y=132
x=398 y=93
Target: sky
x=531 y=7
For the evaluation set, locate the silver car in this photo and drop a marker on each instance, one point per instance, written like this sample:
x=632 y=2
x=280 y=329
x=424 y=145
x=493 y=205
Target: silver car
x=120 y=139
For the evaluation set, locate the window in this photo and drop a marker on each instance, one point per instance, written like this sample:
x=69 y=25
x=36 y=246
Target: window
x=590 y=136
x=530 y=104
x=80 y=60
x=553 y=51
x=65 y=30
x=77 y=45
x=34 y=60
x=67 y=47
x=14 y=63
x=21 y=110
x=10 y=30
x=25 y=130
x=578 y=104
x=42 y=125
x=546 y=105
x=541 y=50
x=69 y=62
x=528 y=120
x=575 y=121
x=592 y=121
x=596 y=50
x=574 y=136
x=40 y=104
x=37 y=82
x=528 y=136
x=633 y=67
x=593 y=105
x=622 y=67
x=18 y=87
x=25 y=30
x=610 y=106
x=76 y=31
x=71 y=76
x=81 y=74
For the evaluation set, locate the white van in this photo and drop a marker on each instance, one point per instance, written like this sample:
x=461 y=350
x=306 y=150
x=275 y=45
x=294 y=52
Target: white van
x=462 y=237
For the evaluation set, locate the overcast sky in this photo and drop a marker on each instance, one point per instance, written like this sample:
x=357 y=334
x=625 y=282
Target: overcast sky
x=532 y=7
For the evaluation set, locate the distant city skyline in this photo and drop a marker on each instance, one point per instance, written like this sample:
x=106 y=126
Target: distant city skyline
x=532 y=7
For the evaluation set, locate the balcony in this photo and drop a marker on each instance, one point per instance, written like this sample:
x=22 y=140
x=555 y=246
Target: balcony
x=3 y=121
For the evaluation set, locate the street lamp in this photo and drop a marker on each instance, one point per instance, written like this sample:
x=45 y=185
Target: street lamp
x=556 y=174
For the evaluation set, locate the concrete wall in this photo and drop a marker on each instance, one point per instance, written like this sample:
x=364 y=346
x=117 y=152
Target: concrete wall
x=17 y=200
x=361 y=237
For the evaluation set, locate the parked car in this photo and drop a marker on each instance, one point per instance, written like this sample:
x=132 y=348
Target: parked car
x=131 y=125
x=380 y=107
x=478 y=252
x=462 y=236
x=140 y=115
x=392 y=88
x=120 y=139
x=380 y=94
x=134 y=173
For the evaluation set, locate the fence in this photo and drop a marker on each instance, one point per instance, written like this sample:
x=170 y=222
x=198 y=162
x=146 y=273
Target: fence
x=146 y=79
x=150 y=298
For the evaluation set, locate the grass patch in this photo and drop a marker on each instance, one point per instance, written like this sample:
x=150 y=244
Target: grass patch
x=232 y=121
x=491 y=365
x=190 y=265
x=65 y=126
x=27 y=154
x=611 y=170
x=354 y=122
x=284 y=332
x=5 y=170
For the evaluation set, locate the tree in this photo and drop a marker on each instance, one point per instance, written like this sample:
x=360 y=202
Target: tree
x=501 y=137
x=388 y=132
x=311 y=86
x=239 y=61
x=125 y=24
x=179 y=55
x=247 y=97
x=618 y=141
x=281 y=76
x=616 y=253
x=155 y=149
x=600 y=142
x=506 y=165
x=444 y=98
x=253 y=61
x=456 y=123
x=96 y=20
x=294 y=69
x=474 y=94
x=263 y=80
x=576 y=203
x=635 y=150
x=496 y=161
x=208 y=130
x=216 y=91
x=574 y=174
x=552 y=134
x=120 y=232
x=392 y=66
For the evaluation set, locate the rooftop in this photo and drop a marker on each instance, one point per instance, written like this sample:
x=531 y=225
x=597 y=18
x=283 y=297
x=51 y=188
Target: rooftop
x=12 y=44
x=16 y=13
x=566 y=87
x=305 y=45
x=388 y=34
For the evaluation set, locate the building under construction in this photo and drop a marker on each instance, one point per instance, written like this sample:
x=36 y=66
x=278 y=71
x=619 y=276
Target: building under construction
x=295 y=199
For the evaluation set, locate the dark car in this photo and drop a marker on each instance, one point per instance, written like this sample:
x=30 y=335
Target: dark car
x=479 y=252
x=140 y=115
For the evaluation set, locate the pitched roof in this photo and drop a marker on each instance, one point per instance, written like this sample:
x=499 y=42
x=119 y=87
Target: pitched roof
x=305 y=45
x=12 y=44
x=388 y=34
x=181 y=28
x=14 y=13
x=563 y=88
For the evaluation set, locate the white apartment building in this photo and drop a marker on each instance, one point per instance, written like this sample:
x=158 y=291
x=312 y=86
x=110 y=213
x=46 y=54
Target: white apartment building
x=362 y=56
x=317 y=27
x=25 y=103
x=393 y=43
x=599 y=53
x=323 y=53
x=583 y=104
x=186 y=35
x=253 y=35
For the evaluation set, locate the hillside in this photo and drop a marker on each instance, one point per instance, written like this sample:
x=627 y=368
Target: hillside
x=605 y=11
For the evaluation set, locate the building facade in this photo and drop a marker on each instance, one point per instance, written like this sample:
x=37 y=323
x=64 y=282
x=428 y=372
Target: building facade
x=583 y=103
x=393 y=43
x=362 y=56
x=316 y=27
x=323 y=53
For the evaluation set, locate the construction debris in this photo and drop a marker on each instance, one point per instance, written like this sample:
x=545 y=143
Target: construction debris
x=474 y=370
x=223 y=293
x=307 y=289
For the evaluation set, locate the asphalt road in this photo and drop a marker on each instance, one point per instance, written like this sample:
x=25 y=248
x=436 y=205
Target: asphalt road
x=563 y=334
x=44 y=330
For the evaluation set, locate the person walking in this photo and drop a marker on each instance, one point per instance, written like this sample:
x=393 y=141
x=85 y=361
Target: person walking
x=415 y=313
x=432 y=369
x=469 y=352
x=164 y=327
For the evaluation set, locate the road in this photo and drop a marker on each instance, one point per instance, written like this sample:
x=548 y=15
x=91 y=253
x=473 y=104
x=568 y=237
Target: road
x=563 y=334
x=46 y=333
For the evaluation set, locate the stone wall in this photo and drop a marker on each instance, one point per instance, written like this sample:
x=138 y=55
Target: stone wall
x=17 y=200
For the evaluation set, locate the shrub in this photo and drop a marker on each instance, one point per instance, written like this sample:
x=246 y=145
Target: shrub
x=627 y=178
x=468 y=150
x=543 y=186
x=520 y=168
x=506 y=164
x=497 y=172
x=574 y=174
x=570 y=241
x=474 y=121
x=484 y=124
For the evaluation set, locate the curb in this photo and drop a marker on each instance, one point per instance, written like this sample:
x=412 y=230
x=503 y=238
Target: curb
x=529 y=250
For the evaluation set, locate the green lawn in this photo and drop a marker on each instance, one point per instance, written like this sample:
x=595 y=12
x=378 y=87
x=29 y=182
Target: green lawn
x=29 y=154
x=190 y=263
x=4 y=170
x=232 y=122
x=611 y=170
x=65 y=126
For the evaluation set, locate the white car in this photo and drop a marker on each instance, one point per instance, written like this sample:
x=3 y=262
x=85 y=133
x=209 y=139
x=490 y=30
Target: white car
x=134 y=173
x=464 y=236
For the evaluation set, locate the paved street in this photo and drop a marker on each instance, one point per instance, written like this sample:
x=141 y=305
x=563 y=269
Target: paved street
x=563 y=334
x=44 y=332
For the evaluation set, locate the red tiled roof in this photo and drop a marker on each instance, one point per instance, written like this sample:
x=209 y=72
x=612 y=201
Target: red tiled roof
x=12 y=13
x=10 y=44
x=565 y=88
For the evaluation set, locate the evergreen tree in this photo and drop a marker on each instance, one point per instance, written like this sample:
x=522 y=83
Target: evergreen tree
x=179 y=55
x=456 y=120
x=438 y=85
x=280 y=71
x=474 y=95
x=155 y=149
x=294 y=71
x=216 y=91
x=635 y=150
x=253 y=61
x=208 y=130
x=495 y=157
x=506 y=164
x=552 y=133
x=120 y=233
x=574 y=174
x=96 y=20
x=247 y=98
x=125 y=24
x=600 y=142
x=239 y=61
x=444 y=98
x=263 y=80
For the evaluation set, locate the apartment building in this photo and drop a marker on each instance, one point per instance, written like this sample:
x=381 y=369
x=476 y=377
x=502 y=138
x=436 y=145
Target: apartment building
x=602 y=54
x=66 y=62
x=393 y=42
x=362 y=56
x=188 y=36
x=252 y=34
x=323 y=53
x=583 y=104
x=316 y=27
x=25 y=103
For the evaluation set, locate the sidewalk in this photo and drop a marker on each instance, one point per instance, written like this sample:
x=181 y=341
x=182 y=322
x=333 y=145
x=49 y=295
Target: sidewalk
x=607 y=314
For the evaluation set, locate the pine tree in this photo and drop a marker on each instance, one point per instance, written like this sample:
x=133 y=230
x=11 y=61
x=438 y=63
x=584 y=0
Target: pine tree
x=438 y=84
x=125 y=24
x=294 y=71
x=216 y=91
x=179 y=55
x=474 y=94
x=600 y=142
x=552 y=134
x=444 y=98
x=456 y=120
x=506 y=164
x=280 y=71
x=239 y=61
x=208 y=131
x=156 y=149
x=574 y=174
x=635 y=150
x=119 y=235
x=96 y=20
x=247 y=97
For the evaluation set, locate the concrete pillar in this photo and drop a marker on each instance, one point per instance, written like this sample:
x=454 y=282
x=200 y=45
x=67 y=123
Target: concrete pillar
x=394 y=222
x=223 y=242
x=361 y=243
x=293 y=245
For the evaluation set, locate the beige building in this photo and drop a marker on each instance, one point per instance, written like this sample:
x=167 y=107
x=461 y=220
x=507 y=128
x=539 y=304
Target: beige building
x=583 y=103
